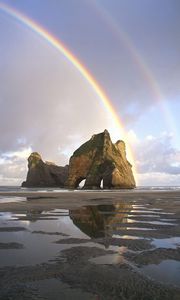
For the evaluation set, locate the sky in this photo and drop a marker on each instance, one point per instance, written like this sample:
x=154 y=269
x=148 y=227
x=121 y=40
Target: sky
x=131 y=48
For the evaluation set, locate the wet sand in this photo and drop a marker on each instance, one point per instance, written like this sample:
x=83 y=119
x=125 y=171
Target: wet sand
x=52 y=200
x=90 y=245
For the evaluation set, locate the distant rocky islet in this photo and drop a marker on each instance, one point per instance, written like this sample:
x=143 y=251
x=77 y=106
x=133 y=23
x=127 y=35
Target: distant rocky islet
x=96 y=160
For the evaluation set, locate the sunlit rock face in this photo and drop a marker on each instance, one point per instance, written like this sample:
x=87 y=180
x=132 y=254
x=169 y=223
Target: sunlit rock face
x=44 y=174
x=99 y=159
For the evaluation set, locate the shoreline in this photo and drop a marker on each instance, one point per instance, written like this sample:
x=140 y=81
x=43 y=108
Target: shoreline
x=53 y=200
x=85 y=192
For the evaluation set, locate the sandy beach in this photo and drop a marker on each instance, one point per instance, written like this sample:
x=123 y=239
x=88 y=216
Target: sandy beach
x=70 y=244
x=49 y=200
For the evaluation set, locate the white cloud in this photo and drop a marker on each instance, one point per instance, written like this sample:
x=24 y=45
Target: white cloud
x=13 y=166
x=158 y=179
x=157 y=161
x=23 y=153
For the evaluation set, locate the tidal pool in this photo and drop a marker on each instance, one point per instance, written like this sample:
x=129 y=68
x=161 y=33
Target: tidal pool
x=168 y=271
x=81 y=252
x=171 y=243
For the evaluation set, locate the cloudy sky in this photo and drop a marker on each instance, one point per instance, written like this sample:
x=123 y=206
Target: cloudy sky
x=132 y=49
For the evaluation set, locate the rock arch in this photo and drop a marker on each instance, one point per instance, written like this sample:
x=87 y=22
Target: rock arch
x=99 y=159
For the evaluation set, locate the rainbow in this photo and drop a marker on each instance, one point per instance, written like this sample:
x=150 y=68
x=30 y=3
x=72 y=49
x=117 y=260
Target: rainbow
x=58 y=45
x=147 y=74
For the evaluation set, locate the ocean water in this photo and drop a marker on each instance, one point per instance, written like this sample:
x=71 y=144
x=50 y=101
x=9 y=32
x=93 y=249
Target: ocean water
x=51 y=189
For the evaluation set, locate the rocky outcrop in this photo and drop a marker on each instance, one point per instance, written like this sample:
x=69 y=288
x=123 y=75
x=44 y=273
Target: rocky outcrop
x=44 y=174
x=99 y=159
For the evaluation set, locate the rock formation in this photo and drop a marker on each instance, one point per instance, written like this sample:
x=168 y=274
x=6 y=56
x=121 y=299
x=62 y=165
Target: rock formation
x=44 y=174
x=99 y=159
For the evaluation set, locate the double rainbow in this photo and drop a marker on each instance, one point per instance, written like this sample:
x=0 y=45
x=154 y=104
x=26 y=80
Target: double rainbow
x=145 y=71
x=57 y=44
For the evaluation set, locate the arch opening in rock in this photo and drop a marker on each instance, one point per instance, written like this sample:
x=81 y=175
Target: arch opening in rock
x=101 y=184
x=80 y=183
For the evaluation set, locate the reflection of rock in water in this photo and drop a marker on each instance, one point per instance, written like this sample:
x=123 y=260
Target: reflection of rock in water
x=101 y=220
x=34 y=215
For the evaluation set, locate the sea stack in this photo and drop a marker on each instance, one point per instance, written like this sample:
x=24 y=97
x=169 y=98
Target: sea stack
x=100 y=162
x=44 y=174
x=99 y=159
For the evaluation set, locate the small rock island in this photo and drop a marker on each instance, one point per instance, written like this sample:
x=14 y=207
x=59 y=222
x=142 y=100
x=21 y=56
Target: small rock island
x=98 y=161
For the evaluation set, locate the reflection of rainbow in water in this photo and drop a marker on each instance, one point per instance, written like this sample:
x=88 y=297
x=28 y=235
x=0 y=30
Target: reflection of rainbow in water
x=147 y=75
x=56 y=43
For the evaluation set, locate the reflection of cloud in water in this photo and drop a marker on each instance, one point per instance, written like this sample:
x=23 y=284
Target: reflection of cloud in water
x=6 y=199
x=6 y=215
x=167 y=271
x=62 y=222
x=171 y=243
x=127 y=237
x=38 y=248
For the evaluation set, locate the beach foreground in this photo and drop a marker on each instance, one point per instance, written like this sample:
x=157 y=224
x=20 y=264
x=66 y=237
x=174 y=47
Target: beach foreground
x=90 y=245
